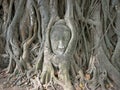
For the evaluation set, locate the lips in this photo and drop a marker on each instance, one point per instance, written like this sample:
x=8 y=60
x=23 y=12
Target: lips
x=60 y=45
x=60 y=50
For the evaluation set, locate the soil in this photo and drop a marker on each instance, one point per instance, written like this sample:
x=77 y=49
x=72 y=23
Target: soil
x=3 y=78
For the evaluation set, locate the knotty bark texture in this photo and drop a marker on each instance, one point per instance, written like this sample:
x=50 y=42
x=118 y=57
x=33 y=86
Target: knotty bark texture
x=61 y=44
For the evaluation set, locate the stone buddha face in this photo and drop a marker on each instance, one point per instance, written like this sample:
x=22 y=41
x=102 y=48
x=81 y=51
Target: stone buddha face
x=59 y=38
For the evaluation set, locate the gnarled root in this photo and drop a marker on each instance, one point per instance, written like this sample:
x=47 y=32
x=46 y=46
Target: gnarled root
x=64 y=76
x=50 y=76
x=96 y=76
x=47 y=73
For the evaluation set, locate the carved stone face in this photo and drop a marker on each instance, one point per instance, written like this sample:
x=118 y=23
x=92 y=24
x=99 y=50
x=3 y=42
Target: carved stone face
x=59 y=38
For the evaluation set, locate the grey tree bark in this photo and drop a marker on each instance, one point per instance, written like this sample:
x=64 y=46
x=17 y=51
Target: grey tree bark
x=61 y=44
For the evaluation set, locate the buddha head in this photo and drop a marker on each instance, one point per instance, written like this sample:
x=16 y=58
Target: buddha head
x=59 y=37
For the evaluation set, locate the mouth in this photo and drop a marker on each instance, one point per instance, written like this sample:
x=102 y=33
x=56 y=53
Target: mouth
x=60 y=50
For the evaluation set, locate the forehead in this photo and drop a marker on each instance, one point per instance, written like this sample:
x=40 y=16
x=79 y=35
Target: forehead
x=60 y=30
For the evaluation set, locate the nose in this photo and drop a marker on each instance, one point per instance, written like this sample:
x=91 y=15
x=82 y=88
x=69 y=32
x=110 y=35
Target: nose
x=60 y=44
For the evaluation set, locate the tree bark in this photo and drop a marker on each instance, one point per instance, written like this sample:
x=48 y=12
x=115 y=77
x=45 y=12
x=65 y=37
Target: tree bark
x=74 y=45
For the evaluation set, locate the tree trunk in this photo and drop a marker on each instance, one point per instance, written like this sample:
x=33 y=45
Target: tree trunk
x=61 y=44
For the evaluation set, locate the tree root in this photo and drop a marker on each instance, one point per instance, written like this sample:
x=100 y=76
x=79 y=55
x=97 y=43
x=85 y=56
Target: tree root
x=47 y=75
x=94 y=78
